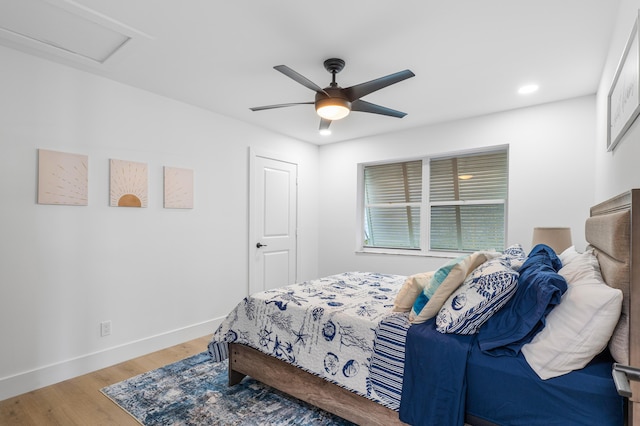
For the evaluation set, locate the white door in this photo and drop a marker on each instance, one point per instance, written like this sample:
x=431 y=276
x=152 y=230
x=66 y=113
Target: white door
x=272 y=223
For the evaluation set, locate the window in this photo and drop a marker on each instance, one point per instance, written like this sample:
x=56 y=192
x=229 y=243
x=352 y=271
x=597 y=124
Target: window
x=454 y=203
x=393 y=197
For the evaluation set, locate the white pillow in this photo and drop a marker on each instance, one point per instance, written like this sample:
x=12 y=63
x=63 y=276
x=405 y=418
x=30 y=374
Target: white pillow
x=581 y=265
x=586 y=265
x=580 y=327
x=568 y=255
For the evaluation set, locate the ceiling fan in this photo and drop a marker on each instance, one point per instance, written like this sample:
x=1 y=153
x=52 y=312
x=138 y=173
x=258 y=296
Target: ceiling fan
x=334 y=102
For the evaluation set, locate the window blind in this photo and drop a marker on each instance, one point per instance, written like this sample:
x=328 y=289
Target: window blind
x=393 y=197
x=465 y=209
x=467 y=202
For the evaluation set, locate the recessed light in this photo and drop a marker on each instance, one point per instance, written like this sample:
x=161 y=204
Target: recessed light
x=325 y=132
x=528 y=89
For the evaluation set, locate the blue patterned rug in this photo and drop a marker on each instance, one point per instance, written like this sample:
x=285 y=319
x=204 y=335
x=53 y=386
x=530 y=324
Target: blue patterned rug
x=194 y=391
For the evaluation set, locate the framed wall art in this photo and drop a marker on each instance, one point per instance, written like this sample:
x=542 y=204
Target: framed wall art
x=63 y=178
x=178 y=188
x=128 y=183
x=623 y=103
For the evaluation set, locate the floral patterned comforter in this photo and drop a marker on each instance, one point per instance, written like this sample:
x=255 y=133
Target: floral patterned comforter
x=325 y=326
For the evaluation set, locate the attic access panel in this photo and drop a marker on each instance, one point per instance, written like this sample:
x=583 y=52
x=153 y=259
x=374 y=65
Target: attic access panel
x=45 y=26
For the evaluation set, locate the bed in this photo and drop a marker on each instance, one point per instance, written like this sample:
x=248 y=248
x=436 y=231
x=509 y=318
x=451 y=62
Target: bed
x=612 y=233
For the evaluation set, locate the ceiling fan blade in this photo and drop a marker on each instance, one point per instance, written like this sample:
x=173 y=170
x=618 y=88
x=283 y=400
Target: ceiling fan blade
x=324 y=124
x=300 y=78
x=364 y=106
x=260 y=108
x=363 y=89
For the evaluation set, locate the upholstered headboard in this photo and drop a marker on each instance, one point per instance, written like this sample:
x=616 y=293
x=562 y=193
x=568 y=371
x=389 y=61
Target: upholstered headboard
x=613 y=229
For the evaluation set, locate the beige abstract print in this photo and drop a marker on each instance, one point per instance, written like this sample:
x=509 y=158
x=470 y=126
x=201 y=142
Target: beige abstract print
x=63 y=178
x=128 y=184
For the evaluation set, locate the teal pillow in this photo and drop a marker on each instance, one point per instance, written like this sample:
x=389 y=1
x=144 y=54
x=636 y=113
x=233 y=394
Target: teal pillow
x=444 y=282
x=438 y=277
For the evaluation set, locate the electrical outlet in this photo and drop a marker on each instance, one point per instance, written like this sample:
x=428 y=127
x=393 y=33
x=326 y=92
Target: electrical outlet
x=105 y=328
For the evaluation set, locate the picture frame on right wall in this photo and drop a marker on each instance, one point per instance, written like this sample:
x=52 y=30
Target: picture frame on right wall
x=623 y=102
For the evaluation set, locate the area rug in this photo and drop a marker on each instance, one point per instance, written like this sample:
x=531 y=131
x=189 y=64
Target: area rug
x=194 y=391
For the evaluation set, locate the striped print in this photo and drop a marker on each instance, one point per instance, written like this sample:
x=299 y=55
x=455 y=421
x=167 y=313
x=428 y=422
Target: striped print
x=387 y=363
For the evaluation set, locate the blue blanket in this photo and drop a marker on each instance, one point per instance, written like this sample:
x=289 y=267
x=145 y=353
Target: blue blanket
x=434 y=386
x=540 y=289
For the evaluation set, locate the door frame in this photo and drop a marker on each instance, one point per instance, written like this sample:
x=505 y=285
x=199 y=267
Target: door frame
x=252 y=237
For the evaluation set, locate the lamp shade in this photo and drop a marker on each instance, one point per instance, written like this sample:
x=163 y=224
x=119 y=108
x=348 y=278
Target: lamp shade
x=559 y=239
x=333 y=108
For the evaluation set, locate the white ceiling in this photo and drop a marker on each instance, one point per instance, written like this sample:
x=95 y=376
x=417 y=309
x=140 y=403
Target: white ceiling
x=469 y=56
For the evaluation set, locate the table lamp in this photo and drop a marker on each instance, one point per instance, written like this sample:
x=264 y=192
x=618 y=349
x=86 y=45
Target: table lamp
x=559 y=239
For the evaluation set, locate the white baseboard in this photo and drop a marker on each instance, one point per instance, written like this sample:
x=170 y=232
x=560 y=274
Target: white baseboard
x=47 y=375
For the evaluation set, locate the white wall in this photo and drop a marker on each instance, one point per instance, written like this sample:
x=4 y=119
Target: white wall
x=551 y=183
x=619 y=170
x=161 y=276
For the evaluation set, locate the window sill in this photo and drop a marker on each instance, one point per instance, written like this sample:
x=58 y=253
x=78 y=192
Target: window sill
x=414 y=253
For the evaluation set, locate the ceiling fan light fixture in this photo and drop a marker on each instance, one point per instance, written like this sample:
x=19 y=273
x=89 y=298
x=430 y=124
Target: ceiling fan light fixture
x=334 y=102
x=333 y=108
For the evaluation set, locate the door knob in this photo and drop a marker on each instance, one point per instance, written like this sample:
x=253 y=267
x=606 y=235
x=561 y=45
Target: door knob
x=260 y=245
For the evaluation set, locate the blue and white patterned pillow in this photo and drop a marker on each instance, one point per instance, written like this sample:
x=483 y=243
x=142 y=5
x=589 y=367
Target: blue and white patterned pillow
x=482 y=293
x=514 y=256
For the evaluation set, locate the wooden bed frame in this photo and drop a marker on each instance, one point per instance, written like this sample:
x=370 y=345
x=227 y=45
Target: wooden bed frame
x=246 y=361
x=619 y=257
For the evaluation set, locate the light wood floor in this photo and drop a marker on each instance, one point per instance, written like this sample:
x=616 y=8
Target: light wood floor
x=78 y=401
